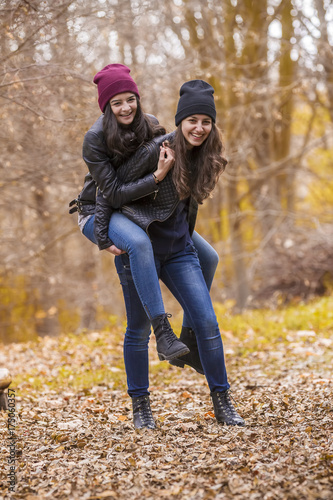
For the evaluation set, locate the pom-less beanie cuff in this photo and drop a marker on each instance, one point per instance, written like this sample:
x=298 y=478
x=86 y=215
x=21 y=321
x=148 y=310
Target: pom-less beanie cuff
x=112 y=80
x=115 y=88
x=196 y=97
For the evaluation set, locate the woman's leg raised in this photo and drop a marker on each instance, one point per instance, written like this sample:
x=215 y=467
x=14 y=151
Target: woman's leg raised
x=135 y=242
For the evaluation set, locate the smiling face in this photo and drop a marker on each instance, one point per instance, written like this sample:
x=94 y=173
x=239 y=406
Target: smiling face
x=124 y=107
x=196 y=129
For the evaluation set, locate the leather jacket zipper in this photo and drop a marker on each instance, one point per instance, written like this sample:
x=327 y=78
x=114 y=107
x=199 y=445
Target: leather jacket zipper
x=128 y=208
x=165 y=218
x=148 y=194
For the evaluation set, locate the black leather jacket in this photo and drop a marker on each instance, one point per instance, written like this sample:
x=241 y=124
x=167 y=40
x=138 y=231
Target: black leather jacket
x=131 y=187
x=99 y=162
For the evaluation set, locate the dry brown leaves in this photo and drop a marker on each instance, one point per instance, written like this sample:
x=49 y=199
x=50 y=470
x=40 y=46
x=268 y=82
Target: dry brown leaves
x=82 y=445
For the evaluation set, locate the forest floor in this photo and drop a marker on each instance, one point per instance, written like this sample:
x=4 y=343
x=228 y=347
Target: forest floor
x=75 y=438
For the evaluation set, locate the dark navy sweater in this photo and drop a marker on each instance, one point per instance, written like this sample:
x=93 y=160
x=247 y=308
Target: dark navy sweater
x=172 y=235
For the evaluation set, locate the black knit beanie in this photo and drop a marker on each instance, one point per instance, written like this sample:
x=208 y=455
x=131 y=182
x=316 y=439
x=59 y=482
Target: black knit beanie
x=196 y=98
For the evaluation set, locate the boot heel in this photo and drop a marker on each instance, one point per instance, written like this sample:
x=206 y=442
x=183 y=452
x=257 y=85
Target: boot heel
x=177 y=362
x=167 y=343
x=170 y=357
x=192 y=359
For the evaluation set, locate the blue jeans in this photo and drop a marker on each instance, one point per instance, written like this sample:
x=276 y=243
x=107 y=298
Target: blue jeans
x=135 y=242
x=182 y=274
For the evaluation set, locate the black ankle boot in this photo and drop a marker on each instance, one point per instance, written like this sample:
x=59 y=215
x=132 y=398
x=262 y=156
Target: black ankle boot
x=192 y=358
x=142 y=415
x=168 y=345
x=224 y=410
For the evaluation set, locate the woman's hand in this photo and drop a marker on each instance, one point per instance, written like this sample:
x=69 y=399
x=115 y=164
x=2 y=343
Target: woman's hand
x=114 y=250
x=165 y=163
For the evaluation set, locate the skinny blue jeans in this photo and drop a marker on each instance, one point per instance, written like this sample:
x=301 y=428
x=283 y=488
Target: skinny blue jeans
x=181 y=273
x=135 y=242
x=188 y=275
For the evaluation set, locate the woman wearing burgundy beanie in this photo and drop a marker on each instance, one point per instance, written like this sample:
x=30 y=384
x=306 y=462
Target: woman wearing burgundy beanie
x=115 y=136
x=152 y=234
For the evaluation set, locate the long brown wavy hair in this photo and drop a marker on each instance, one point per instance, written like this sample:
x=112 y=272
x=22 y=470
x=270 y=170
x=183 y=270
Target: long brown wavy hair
x=123 y=141
x=197 y=170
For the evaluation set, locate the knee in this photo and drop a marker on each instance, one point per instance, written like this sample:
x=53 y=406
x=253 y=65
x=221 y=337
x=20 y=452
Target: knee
x=209 y=261
x=214 y=258
x=137 y=336
x=208 y=328
x=142 y=244
x=212 y=342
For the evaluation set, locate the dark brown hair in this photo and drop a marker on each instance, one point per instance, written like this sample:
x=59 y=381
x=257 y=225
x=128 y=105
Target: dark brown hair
x=196 y=171
x=125 y=140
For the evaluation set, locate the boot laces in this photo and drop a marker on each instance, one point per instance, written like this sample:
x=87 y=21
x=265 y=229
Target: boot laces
x=144 y=410
x=167 y=330
x=225 y=403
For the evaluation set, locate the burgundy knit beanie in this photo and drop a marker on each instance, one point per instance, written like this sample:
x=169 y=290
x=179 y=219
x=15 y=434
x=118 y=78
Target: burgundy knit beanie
x=111 y=80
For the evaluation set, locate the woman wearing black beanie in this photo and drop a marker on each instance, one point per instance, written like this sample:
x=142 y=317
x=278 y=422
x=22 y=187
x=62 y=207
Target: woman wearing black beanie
x=168 y=218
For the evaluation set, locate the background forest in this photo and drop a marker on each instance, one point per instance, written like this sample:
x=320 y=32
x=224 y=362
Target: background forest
x=271 y=64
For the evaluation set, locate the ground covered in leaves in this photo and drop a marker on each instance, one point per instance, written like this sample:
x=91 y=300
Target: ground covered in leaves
x=75 y=437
